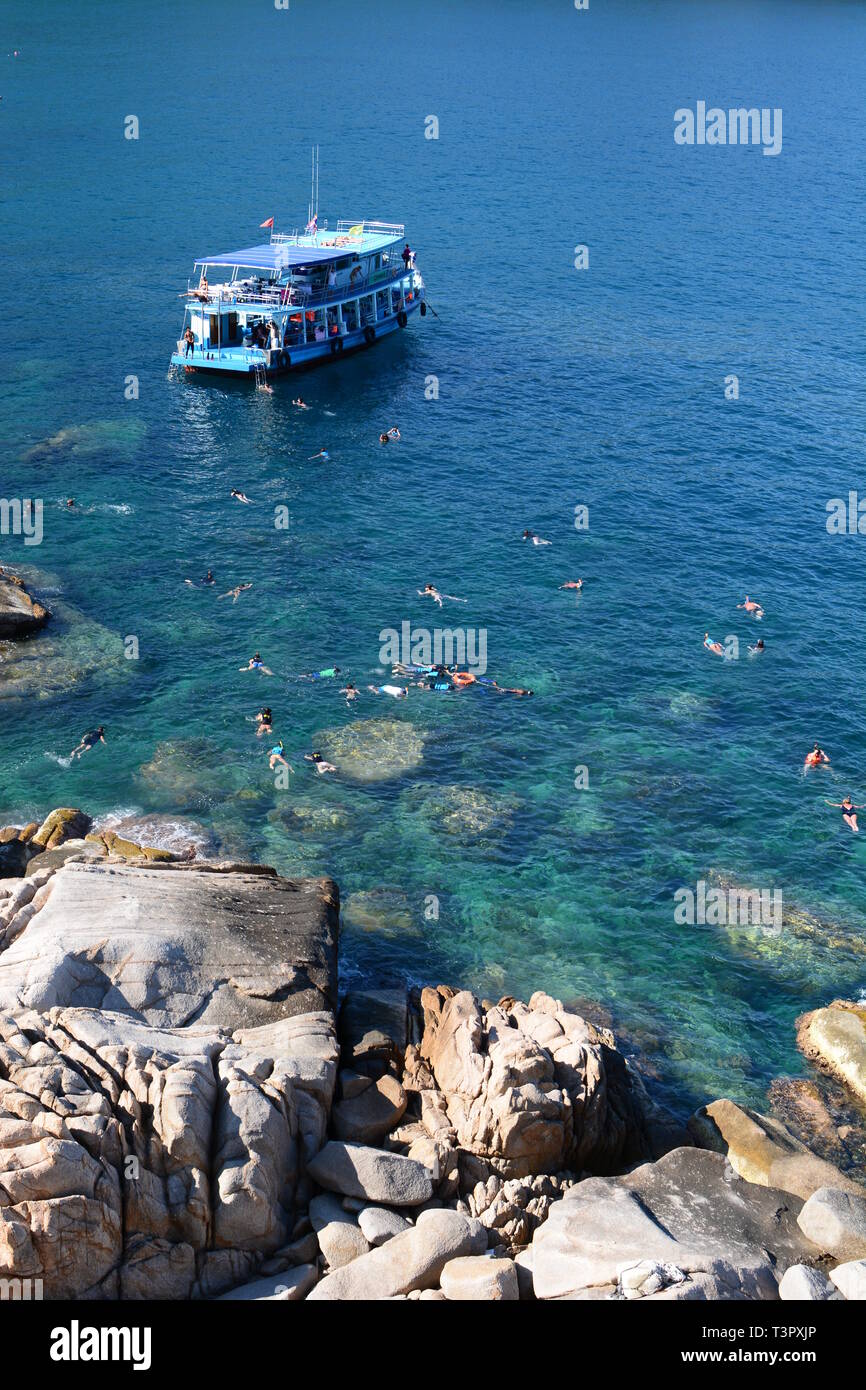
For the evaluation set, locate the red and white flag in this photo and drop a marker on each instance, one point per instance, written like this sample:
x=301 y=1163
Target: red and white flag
x=269 y=223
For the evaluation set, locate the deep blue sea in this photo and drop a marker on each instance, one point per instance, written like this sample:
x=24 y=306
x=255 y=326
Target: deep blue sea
x=557 y=387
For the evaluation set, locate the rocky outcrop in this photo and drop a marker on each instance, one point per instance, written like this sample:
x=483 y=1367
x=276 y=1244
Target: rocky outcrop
x=173 y=944
x=835 y=1037
x=19 y=613
x=411 y=1261
x=761 y=1150
x=835 y=1222
x=66 y=823
x=16 y=849
x=527 y=1090
x=712 y=1235
x=168 y=1058
x=141 y=1162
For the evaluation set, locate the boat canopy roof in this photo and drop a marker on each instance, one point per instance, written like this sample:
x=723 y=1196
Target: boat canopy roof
x=283 y=252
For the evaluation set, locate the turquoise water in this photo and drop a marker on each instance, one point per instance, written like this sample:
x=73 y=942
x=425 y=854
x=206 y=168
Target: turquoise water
x=557 y=387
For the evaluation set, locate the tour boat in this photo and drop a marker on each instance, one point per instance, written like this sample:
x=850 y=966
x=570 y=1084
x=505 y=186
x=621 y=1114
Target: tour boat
x=298 y=299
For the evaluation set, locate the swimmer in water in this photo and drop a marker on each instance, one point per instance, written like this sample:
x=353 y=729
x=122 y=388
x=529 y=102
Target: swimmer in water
x=399 y=692
x=712 y=646
x=70 y=502
x=849 y=812
x=322 y=454
x=536 y=540
x=234 y=594
x=88 y=741
x=429 y=591
x=197 y=583
x=276 y=756
x=437 y=682
x=327 y=673
x=263 y=720
x=301 y=404
x=319 y=762
x=241 y=496
x=392 y=433
x=256 y=664
x=817 y=758
x=572 y=584
x=510 y=690
x=758 y=647
x=752 y=607
x=351 y=692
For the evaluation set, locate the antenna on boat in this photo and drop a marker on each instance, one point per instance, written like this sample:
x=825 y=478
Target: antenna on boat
x=314 y=187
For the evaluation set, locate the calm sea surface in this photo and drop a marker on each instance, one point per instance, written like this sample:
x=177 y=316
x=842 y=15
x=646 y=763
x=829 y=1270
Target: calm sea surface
x=558 y=387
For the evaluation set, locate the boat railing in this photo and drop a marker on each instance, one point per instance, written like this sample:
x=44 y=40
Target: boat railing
x=302 y=296
x=345 y=225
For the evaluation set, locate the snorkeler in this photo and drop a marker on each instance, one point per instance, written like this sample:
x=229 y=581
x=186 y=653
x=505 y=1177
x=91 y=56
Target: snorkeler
x=322 y=454
x=276 y=756
x=89 y=740
x=399 y=692
x=439 y=682
x=351 y=692
x=70 y=502
x=758 y=647
x=752 y=607
x=572 y=584
x=507 y=689
x=817 y=758
x=536 y=540
x=320 y=764
x=241 y=496
x=256 y=664
x=301 y=403
x=392 y=433
x=234 y=594
x=327 y=673
x=712 y=646
x=849 y=812
x=264 y=721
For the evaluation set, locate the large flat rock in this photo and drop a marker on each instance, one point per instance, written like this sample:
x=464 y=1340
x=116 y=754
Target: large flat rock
x=176 y=944
x=688 y=1214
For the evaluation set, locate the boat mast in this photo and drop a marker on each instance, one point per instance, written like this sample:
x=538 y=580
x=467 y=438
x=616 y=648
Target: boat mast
x=313 y=210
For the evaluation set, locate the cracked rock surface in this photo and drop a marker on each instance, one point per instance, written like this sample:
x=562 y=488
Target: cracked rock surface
x=167 y=1064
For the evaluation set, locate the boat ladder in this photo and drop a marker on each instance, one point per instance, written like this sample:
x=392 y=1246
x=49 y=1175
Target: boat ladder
x=261 y=378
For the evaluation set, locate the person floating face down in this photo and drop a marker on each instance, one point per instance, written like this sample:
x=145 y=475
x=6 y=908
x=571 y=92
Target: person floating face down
x=88 y=741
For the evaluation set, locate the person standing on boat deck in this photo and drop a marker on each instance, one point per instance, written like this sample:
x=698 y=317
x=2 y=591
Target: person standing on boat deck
x=408 y=256
x=189 y=337
x=332 y=279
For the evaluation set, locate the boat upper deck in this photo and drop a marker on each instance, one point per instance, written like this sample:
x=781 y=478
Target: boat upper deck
x=286 y=251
